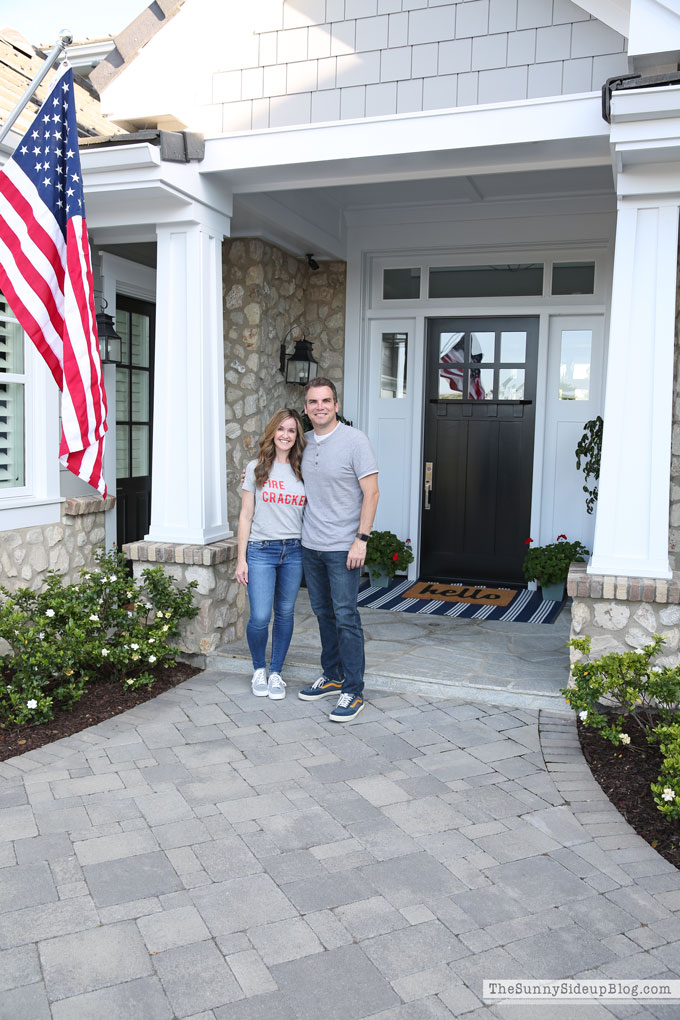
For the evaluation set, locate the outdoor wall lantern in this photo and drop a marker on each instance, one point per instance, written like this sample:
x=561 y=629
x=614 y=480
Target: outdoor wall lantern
x=110 y=344
x=299 y=367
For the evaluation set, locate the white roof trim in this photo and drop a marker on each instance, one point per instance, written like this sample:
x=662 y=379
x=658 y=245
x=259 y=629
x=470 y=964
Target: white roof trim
x=615 y=13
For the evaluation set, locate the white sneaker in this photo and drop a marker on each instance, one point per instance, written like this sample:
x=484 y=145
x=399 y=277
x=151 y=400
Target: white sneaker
x=277 y=688
x=259 y=683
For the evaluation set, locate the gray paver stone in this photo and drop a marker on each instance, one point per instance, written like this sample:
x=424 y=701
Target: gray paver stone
x=171 y=928
x=19 y=967
x=131 y=878
x=26 y=1003
x=196 y=977
x=86 y=961
x=242 y=903
x=132 y=1000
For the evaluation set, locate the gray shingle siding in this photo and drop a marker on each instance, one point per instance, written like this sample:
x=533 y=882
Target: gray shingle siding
x=325 y=60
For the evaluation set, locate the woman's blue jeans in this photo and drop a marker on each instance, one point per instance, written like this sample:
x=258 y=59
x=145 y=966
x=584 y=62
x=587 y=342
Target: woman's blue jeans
x=274 y=575
x=333 y=591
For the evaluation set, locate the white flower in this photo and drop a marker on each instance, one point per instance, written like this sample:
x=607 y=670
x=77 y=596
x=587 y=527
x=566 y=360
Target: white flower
x=49 y=612
x=624 y=738
x=105 y=651
x=133 y=645
x=41 y=635
x=640 y=651
x=165 y=627
x=32 y=703
x=93 y=616
x=129 y=681
x=135 y=655
x=152 y=658
x=668 y=794
x=114 y=577
x=655 y=669
x=583 y=715
x=152 y=640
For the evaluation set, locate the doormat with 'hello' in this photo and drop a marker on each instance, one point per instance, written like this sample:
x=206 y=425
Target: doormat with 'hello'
x=477 y=602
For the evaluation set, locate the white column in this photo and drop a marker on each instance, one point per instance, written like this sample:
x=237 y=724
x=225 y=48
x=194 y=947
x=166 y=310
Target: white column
x=188 y=496
x=631 y=530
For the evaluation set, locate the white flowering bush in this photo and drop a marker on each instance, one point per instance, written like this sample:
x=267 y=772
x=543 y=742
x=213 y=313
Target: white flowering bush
x=638 y=692
x=667 y=790
x=66 y=637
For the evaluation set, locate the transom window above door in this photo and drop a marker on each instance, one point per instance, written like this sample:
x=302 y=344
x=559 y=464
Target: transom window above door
x=482 y=365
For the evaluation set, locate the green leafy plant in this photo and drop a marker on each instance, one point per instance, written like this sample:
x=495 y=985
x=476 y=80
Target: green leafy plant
x=64 y=638
x=666 y=790
x=589 y=451
x=635 y=689
x=549 y=564
x=387 y=553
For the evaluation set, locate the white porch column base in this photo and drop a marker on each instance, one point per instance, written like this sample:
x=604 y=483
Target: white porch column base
x=188 y=499
x=632 y=526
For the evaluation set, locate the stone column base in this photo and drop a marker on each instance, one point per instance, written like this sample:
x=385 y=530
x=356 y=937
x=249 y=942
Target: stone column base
x=620 y=613
x=220 y=598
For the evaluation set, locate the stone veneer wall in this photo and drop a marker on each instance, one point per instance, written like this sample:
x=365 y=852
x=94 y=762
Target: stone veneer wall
x=266 y=292
x=620 y=613
x=220 y=599
x=27 y=554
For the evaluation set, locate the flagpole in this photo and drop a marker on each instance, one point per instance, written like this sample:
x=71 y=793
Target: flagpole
x=65 y=39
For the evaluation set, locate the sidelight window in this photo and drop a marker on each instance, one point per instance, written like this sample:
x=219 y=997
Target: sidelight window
x=12 y=401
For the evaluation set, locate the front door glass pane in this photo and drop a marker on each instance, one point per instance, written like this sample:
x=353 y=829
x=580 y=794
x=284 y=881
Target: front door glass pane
x=11 y=346
x=140 y=395
x=575 y=364
x=511 y=384
x=122 y=451
x=514 y=348
x=123 y=331
x=480 y=384
x=450 y=382
x=393 y=355
x=482 y=346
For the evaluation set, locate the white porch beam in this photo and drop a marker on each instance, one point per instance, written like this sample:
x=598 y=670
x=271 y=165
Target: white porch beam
x=188 y=498
x=632 y=526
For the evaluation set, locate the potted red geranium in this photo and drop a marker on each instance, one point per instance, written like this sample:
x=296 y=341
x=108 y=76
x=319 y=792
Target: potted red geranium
x=549 y=564
x=385 y=555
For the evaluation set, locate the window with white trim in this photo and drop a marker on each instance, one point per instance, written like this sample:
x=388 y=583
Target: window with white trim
x=12 y=403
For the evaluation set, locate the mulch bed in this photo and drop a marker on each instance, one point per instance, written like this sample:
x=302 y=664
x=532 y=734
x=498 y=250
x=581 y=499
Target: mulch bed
x=101 y=701
x=624 y=773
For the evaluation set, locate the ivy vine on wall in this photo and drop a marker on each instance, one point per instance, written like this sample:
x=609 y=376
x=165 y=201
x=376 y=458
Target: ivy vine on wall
x=588 y=454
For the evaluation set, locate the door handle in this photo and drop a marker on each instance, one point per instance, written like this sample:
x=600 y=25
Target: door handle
x=428 y=484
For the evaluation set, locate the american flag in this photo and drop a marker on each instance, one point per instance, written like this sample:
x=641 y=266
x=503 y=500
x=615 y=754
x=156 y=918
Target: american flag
x=451 y=368
x=46 y=273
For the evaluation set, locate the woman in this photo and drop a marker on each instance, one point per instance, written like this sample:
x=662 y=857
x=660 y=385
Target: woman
x=269 y=550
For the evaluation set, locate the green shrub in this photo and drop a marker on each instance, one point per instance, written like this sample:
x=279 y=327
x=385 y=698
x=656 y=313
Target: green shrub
x=66 y=637
x=639 y=691
x=667 y=790
x=387 y=553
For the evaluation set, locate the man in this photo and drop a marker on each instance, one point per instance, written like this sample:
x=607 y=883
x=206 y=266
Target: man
x=341 y=486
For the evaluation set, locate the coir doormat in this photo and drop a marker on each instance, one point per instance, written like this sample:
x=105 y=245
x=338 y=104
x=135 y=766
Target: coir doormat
x=459 y=600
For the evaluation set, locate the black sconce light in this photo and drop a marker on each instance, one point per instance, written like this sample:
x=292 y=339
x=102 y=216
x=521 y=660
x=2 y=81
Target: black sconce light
x=110 y=344
x=311 y=261
x=299 y=367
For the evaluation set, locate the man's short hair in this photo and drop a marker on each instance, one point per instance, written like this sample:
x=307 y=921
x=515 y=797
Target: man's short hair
x=319 y=382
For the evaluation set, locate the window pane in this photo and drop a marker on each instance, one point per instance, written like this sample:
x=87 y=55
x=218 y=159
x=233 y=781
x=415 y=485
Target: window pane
x=123 y=331
x=140 y=340
x=514 y=347
x=450 y=382
x=486 y=281
x=451 y=346
x=480 y=384
x=400 y=284
x=482 y=346
x=140 y=396
x=393 y=365
x=122 y=451
x=12 y=440
x=575 y=364
x=122 y=394
x=11 y=346
x=140 y=450
x=573 y=278
x=511 y=384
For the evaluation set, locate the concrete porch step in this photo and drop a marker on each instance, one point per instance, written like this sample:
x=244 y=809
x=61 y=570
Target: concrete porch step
x=539 y=695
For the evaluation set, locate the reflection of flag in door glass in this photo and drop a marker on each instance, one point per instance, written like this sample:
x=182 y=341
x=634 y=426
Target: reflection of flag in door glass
x=452 y=358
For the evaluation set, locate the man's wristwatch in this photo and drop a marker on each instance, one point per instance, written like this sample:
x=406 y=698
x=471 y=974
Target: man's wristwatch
x=362 y=536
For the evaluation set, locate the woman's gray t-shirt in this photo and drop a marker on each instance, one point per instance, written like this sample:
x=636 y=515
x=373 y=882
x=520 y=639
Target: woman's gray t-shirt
x=278 y=504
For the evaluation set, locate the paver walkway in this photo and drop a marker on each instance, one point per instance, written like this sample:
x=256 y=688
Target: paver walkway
x=221 y=857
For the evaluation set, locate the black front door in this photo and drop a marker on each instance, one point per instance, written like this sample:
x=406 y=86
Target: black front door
x=479 y=443
x=135 y=321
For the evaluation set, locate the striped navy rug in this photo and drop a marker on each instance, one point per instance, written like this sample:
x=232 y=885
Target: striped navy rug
x=526 y=607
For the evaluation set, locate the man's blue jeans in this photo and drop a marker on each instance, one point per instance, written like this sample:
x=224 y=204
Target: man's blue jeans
x=333 y=591
x=274 y=575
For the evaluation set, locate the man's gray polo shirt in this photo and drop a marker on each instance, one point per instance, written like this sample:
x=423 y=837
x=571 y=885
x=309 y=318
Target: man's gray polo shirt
x=331 y=470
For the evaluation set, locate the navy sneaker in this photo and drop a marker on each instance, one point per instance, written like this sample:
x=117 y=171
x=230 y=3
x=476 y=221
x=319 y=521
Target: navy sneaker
x=348 y=706
x=321 y=688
